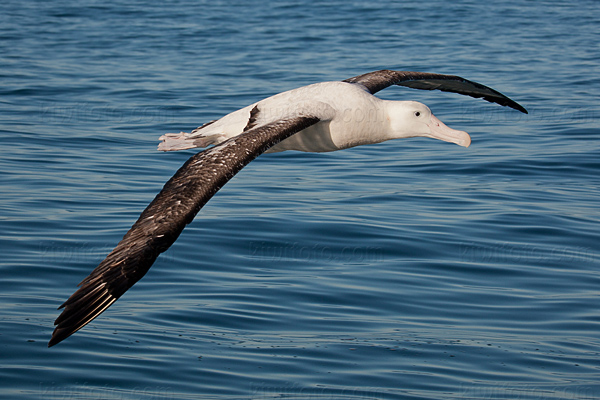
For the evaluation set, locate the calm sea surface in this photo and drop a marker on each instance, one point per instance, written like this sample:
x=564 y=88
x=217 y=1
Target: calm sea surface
x=412 y=269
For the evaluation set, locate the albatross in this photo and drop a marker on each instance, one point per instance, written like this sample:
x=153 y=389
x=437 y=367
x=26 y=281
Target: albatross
x=321 y=117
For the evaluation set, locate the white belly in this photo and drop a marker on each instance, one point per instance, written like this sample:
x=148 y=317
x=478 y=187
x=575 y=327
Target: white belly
x=314 y=139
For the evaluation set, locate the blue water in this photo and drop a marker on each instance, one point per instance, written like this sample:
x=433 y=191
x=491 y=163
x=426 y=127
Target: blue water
x=412 y=269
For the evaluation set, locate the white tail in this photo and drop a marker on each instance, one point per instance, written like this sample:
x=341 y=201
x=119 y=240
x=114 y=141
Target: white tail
x=182 y=141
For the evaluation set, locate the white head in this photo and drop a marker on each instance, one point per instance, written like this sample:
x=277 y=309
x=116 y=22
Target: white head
x=412 y=119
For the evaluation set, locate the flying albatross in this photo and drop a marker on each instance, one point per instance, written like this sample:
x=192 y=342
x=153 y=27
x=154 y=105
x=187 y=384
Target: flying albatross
x=325 y=116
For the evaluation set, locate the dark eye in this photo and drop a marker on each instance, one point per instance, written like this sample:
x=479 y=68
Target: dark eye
x=417 y=113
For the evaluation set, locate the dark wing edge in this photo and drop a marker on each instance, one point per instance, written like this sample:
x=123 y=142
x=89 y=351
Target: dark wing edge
x=378 y=80
x=164 y=219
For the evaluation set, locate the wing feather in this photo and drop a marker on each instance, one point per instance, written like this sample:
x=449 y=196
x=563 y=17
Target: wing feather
x=378 y=80
x=164 y=219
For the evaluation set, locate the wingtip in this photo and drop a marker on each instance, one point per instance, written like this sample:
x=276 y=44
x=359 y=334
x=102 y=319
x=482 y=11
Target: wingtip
x=80 y=309
x=54 y=340
x=59 y=334
x=519 y=107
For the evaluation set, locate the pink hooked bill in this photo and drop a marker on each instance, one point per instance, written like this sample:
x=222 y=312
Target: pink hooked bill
x=442 y=132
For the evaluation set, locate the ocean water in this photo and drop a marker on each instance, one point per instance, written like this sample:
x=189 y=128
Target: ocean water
x=411 y=269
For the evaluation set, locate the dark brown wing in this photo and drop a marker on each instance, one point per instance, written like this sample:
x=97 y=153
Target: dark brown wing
x=164 y=219
x=378 y=80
